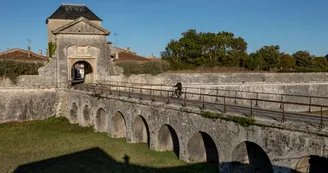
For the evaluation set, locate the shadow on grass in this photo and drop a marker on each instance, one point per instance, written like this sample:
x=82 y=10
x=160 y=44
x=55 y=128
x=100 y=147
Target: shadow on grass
x=96 y=160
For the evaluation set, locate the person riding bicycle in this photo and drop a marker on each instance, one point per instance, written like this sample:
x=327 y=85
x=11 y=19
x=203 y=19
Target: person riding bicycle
x=179 y=89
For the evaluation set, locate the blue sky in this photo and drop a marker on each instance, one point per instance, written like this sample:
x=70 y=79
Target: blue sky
x=146 y=26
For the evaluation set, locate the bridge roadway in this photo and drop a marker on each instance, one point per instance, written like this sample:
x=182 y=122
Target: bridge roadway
x=316 y=120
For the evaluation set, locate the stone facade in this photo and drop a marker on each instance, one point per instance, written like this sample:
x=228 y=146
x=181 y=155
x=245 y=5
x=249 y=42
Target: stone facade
x=53 y=24
x=81 y=40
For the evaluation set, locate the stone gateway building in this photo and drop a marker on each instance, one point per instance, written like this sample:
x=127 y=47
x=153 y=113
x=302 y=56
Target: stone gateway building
x=79 y=39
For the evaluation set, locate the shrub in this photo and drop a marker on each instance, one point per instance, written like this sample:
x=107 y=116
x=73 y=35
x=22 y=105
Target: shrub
x=174 y=65
x=309 y=69
x=320 y=62
x=152 y=67
x=12 y=69
x=303 y=58
x=287 y=61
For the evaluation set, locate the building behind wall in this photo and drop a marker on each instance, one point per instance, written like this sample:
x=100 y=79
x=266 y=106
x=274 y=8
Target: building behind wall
x=20 y=55
x=67 y=13
x=79 y=38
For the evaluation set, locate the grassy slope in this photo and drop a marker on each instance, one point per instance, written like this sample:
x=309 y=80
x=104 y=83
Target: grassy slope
x=24 y=143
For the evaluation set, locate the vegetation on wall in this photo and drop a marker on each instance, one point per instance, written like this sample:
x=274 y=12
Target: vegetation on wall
x=207 y=49
x=51 y=49
x=12 y=69
x=152 y=67
x=243 y=121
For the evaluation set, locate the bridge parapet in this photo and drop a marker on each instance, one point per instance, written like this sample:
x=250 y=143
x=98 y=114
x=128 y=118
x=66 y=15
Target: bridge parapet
x=234 y=95
x=245 y=106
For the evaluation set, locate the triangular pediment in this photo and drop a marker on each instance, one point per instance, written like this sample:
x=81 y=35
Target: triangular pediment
x=81 y=26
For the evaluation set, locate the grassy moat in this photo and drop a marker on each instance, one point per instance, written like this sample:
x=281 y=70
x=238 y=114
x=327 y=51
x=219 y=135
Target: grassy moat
x=55 y=145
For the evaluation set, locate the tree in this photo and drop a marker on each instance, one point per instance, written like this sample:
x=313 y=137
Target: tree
x=268 y=57
x=320 y=62
x=191 y=47
x=206 y=48
x=172 y=51
x=254 y=62
x=250 y=62
x=237 y=52
x=287 y=61
x=303 y=59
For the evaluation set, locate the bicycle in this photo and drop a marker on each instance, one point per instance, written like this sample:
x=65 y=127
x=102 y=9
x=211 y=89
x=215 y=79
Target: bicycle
x=176 y=95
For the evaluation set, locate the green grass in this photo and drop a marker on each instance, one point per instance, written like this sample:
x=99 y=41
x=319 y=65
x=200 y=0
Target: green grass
x=34 y=143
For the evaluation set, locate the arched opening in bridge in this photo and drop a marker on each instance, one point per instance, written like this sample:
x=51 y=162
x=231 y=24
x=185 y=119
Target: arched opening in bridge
x=311 y=164
x=82 y=72
x=101 y=120
x=118 y=126
x=202 y=148
x=248 y=157
x=73 y=112
x=168 y=140
x=86 y=113
x=140 y=130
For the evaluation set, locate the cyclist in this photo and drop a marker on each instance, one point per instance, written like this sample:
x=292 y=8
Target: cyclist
x=178 y=90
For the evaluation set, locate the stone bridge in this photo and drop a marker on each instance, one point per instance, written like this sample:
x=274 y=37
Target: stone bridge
x=171 y=127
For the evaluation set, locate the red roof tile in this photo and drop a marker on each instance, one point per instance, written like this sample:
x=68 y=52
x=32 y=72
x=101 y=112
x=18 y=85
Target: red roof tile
x=20 y=55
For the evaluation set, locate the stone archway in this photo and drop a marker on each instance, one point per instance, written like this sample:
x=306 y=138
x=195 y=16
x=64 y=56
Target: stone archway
x=118 y=126
x=248 y=157
x=168 y=140
x=82 y=72
x=101 y=120
x=86 y=114
x=202 y=148
x=140 y=130
x=85 y=56
x=311 y=164
x=73 y=112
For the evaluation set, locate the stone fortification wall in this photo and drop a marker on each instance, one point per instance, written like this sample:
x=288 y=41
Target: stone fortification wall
x=46 y=77
x=269 y=86
x=219 y=78
x=26 y=104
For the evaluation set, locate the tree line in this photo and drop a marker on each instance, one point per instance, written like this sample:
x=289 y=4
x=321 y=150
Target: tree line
x=195 y=49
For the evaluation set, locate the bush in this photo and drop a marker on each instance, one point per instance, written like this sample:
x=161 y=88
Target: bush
x=304 y=70
x=12 y=69
x=310 y=69
x=146 y=67
x=174 y=65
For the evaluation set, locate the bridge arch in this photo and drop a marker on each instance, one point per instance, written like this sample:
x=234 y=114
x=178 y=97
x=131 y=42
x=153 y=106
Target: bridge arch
x=202 y=148
x=118 y=126
x=86 y=114
x=73 y=113
x=249 y=157
x=310 y=164
x=140 y=130
x=168 y=139
x=100 y=120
